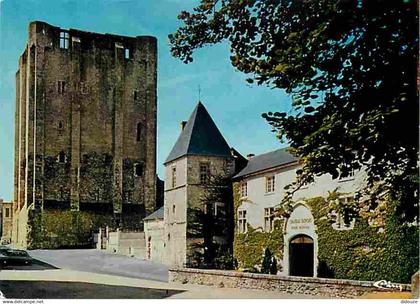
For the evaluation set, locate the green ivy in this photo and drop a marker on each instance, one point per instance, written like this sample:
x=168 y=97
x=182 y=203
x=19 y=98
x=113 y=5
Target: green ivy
x=362 y=253
x=63 y=229
x=248 y=248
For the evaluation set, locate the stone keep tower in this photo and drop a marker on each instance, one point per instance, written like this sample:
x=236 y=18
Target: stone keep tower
x=85 y=123
x=200 y=152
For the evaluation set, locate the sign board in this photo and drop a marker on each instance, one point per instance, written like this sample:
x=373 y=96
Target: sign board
x=300 y=221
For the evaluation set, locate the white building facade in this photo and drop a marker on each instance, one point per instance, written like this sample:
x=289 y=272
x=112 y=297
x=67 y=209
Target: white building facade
x=261 y=190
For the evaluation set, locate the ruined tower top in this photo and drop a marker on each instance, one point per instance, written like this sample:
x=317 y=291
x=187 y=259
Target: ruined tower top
x=55 y=37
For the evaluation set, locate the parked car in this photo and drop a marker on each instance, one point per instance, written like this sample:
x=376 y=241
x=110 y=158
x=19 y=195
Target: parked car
x=14 y=257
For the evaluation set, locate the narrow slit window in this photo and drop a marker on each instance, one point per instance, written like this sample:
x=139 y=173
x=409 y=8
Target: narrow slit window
x=64 y=40
x=136 y=95
x=138 y=132
x=173 y=177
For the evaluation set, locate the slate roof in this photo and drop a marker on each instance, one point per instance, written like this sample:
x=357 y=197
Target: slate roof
x=199 y=137
x=158 y=214
x=266 y=161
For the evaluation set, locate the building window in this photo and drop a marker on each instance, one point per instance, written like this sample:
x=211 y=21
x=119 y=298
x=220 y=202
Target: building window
x=173 y=177
x=344 y=220
x=268 y=219
x=242 y=221
x=61 y=86
x=173 y=208
x=127 y=54
x=269 y=184
x=64 y=40
x=138 y=170
x=138 y=131
x=243 y=188
x=204 y=173
x=7 y=212
x=136 y=95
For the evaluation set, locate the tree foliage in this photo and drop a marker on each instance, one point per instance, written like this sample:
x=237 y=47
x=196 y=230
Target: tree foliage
x=350 y=68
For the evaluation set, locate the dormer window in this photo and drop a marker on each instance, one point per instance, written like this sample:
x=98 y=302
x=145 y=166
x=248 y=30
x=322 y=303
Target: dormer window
x=64 y=40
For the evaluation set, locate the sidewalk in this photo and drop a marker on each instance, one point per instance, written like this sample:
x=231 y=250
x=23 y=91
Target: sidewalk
x=187 y=291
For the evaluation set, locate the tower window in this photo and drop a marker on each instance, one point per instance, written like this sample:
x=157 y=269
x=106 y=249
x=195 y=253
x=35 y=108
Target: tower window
x=139 y=130
x=204 y=173
x=173 y=177
x=136 y=94
x=64 y=40
x=61 y=86
x=138 y=170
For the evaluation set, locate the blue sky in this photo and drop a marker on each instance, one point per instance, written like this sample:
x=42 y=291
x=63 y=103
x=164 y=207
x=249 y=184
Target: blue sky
x=235 y=106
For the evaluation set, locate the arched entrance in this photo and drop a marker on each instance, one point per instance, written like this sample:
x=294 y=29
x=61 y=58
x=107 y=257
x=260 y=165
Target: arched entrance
x=301 y=256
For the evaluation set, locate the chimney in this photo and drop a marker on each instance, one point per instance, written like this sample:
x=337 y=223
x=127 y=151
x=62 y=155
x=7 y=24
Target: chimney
x=183 y=123
x=250 y=155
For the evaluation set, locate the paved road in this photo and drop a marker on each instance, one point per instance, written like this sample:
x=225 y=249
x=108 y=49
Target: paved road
x=78 y=290
x=92 y=260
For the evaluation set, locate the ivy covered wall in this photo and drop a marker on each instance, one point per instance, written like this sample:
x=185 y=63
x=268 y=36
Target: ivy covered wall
x=362 y=253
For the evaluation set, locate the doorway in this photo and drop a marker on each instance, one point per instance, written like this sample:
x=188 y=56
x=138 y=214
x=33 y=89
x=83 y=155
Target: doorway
x=301 y=256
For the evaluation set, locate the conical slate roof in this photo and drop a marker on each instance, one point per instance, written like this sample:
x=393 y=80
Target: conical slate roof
x=200 y=136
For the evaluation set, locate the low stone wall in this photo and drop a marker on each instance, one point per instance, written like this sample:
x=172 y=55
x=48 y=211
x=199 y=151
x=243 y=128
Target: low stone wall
x=334 y=288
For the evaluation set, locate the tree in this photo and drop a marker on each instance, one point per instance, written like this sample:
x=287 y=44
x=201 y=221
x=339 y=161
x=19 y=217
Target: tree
x=350 y=68
x=269 y=262
x=207 y=224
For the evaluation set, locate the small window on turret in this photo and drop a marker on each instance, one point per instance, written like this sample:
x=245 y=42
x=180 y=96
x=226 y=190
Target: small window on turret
x=64 y=40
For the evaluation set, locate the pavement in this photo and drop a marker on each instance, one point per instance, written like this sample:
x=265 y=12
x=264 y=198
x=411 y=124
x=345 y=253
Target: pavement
x=95 y=261
x=100 y=286
x=89 y=273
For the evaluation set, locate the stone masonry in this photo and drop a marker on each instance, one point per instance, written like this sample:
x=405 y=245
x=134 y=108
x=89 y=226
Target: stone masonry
x=85 y=123
x=332 y=288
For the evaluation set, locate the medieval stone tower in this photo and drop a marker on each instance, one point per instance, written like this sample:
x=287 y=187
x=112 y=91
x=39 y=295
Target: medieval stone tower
x=199 y=153
x=85 y=125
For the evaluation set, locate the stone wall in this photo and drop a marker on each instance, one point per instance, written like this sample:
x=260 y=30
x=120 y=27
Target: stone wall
x=86 y=122
x=292 y=285
x=127 y=243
